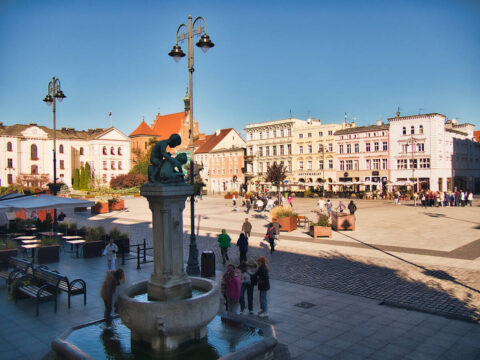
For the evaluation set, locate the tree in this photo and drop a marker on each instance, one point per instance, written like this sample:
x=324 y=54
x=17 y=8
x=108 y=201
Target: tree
x=76 y=179
x=141 y=165
x=276 y=174
x=88 y=175
x=82 y=178
x=197 y=179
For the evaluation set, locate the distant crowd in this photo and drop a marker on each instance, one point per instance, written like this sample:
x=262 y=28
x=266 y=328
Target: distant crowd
x=440 y=198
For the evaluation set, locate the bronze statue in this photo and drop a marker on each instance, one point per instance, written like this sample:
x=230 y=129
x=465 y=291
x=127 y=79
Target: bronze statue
x=166 y=169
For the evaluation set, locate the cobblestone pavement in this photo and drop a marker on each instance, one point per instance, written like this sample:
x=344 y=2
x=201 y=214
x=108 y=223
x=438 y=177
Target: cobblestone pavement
x=422 y=259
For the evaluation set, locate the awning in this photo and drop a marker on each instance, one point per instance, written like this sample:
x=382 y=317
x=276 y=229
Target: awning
x=42 y=202
x=401 y=183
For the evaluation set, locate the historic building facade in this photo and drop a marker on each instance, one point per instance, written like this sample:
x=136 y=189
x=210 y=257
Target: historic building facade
x=222 y=156
x=362 y=154
x=27 y=154
x=434 y=153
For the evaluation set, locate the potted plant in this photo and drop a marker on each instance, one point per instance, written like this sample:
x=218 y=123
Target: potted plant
x=48 y=251
x=321 y=227
x=94 y=244
x=100 y=207
x=285 y=217
x=121 y=239
x=116 y=204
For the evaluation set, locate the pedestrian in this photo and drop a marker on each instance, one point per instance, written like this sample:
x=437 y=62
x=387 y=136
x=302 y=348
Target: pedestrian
x=247 y=227
x=234 y=200
x=242 y=244
x=352 y=207
x=340 y=207
x=277 y=228
x=329 y=205
x=111 y=252
x=415 y=198
x=232 y=288
x=470 y=198
x=248 y=204
x=396 y=197
x=224 y=243
x=270 y=237
x=113 y=278
x=321 y=205
x=263 y=283
x=247 y=287
x=290 y=201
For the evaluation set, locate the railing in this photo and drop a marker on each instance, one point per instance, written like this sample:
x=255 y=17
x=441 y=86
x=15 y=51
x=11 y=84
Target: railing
x=141 y=259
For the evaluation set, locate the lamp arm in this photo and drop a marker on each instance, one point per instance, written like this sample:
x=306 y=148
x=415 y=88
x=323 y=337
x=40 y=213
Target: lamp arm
x=181 y=25
x=204 y=23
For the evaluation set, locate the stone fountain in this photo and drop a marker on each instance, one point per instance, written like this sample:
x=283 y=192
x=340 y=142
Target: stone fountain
x=171 y=316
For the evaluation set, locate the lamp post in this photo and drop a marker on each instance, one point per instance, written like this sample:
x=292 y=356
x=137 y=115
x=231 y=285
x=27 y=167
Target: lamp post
x=205 y=44
x=54 y=93
x=412 y=141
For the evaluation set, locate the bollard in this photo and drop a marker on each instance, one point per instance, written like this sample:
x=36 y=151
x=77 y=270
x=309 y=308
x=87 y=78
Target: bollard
x=144 y=251
x=123 y=257
x=138 y=256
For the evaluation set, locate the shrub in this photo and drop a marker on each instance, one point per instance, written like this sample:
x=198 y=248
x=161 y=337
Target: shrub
x=117 y=234
x=125 y=181
x=46 y=241
x=322 y=220
x=94 y=233
x=282 y=211
x=307 y=193
x=8 y=244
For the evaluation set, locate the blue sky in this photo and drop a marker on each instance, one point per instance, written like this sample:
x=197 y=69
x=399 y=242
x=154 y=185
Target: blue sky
x=317 y=58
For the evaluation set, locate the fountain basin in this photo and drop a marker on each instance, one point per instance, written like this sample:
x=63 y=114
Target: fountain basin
x=167 y=324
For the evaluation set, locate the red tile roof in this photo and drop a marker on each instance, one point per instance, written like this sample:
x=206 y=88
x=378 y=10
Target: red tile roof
x=212 y=141
x=143 y=129
x=165 y=125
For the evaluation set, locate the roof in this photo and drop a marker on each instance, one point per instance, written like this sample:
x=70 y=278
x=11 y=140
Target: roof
x=362 y=129
x=212 y=141
x=143 y=129
x=455 y=131
x=415 y=116
x=165 y=125
x=200 y=142
x=62 y=133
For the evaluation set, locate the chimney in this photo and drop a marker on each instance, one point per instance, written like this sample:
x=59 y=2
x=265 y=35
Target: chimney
x=32 y=124
x=379 y=122
x=217 y=132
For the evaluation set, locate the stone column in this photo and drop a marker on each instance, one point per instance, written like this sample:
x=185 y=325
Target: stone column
x=168 y=280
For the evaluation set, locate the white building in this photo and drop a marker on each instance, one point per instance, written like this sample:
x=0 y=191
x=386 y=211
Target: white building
x=431 y=151
x=26 y=154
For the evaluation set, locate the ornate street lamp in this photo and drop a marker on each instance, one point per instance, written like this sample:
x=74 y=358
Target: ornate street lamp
x=54 y=93
x=177 y=53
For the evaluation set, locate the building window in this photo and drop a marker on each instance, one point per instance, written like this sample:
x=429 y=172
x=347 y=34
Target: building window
x=367 y=147
x=376 y=164
x=404 y=148
x=330 y=147
x=320 y=164
x=300 y=165
x=10 y=163
x=320 y=133
x=33 y=152
x=260 y=151
x=289 y=169
x=368 y=162
x=413 y=163
x=120 y=167
x=420 y=147
x=412 y=129
x=119 y=151
x=300 y=136
x=105 y=166
x=282 y=133
x=104 y=150
x=309 y=165
x=282 y=149
x=357 y=148
x=81 y=151
x=330 y=132
x=349 y=148
x=9 y=179
x=424 y=163
x=320 y=148
x=60 y=149
x=104 y=177
x=340 y=149
x=404 y=130
x=274 y=148
x=267 y=150
x=112 y=165
x=349 y=165
x=384 y=164
x=342 y=165
x=355 y=165
x=330 y=164
x=9 y=146
x=289 y=148
x=376 y=146
x=112 y=151
x=261 y=135
x=420 y=129
x=289 y=131
x=309 y=149
x=385 y=146
x=34 y=170
x=260 y=168
x=309 y=135
x=62 y=164
x=300 y=149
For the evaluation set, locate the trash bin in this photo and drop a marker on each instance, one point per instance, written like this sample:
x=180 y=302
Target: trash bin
x=208 y=264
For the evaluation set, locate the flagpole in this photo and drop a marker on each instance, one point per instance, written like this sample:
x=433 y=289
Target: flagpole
x=110 y=117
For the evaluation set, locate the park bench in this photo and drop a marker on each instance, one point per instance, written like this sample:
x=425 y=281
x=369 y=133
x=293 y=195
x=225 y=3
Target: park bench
x=14 y=268
x=61 y=283
x=28 y=286
x=302 y=219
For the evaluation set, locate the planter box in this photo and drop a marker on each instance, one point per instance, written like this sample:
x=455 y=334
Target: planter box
x=117 y=205
x=343 y=221
x=123 y=245
x=227 y=196
x=93 y=249
x=47 y=254
x=100 y=208
x=320 y=231
x=287 y=223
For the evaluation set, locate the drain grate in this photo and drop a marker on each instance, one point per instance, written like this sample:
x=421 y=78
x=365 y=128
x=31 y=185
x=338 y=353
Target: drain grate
x=305 y=305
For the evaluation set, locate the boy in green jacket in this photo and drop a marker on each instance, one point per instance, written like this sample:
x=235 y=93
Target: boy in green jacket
x=224 y=244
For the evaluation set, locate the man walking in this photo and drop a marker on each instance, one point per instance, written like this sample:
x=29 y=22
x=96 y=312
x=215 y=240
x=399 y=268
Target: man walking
x=111 y=252
x=247 y=228
x=224 y=243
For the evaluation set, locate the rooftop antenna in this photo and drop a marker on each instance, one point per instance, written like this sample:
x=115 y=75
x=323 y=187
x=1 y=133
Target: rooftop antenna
x=420 y=110
x=345 y=118
x=398 y=111
x=290 y=114
x=110 y=117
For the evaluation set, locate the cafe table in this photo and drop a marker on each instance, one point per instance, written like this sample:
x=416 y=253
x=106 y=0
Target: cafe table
x=31 y=246
x=25 y=237
x=76 y=243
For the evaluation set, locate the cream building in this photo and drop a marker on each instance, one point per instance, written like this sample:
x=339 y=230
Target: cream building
x=26 y=154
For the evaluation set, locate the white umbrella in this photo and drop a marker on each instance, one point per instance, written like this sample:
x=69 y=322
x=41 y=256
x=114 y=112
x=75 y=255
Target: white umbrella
x=42 y=202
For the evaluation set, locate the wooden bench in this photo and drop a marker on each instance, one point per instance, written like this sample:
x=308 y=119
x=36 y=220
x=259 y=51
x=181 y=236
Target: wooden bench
x=60 y=283
x=304 y=219
x=30 y=287
x=14 y=268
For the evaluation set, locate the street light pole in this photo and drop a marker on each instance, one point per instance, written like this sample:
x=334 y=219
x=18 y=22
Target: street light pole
x=54 y=93
x=205 y=44
x=413 y=142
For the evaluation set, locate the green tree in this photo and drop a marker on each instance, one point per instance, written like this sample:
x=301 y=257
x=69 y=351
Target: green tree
x=76 y=179
x=82 y=178
x=88 y=175
x=276 y=174
x=141 y=166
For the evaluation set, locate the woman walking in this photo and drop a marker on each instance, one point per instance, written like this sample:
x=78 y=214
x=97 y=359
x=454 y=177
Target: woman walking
x=242 y=244
x=232 y=288
x=247 y=287
x=263 y=283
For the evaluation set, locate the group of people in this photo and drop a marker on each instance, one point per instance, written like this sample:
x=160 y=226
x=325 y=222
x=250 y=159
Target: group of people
x=326 y=207
x=241 y=280
x=443 y=198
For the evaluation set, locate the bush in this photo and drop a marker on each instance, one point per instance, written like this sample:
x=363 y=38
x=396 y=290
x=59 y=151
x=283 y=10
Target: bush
x=8 y=244
x=126 y=181
x=282 y=211
x=46 y=241
x=307 y=193
x=94 y=233
x=117 y=234
x=322 y=220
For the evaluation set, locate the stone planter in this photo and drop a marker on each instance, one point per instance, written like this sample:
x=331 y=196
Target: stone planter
x=343 y=221
x=320 y=231
x=93 y=249
x=116 y=205
x=100 y=208
x=47 y=254
x=287 y=223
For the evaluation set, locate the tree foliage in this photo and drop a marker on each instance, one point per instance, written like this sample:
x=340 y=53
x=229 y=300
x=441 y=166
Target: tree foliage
x=76 y=179
x=276 y=174
x=126 y=181
x=141 y=165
